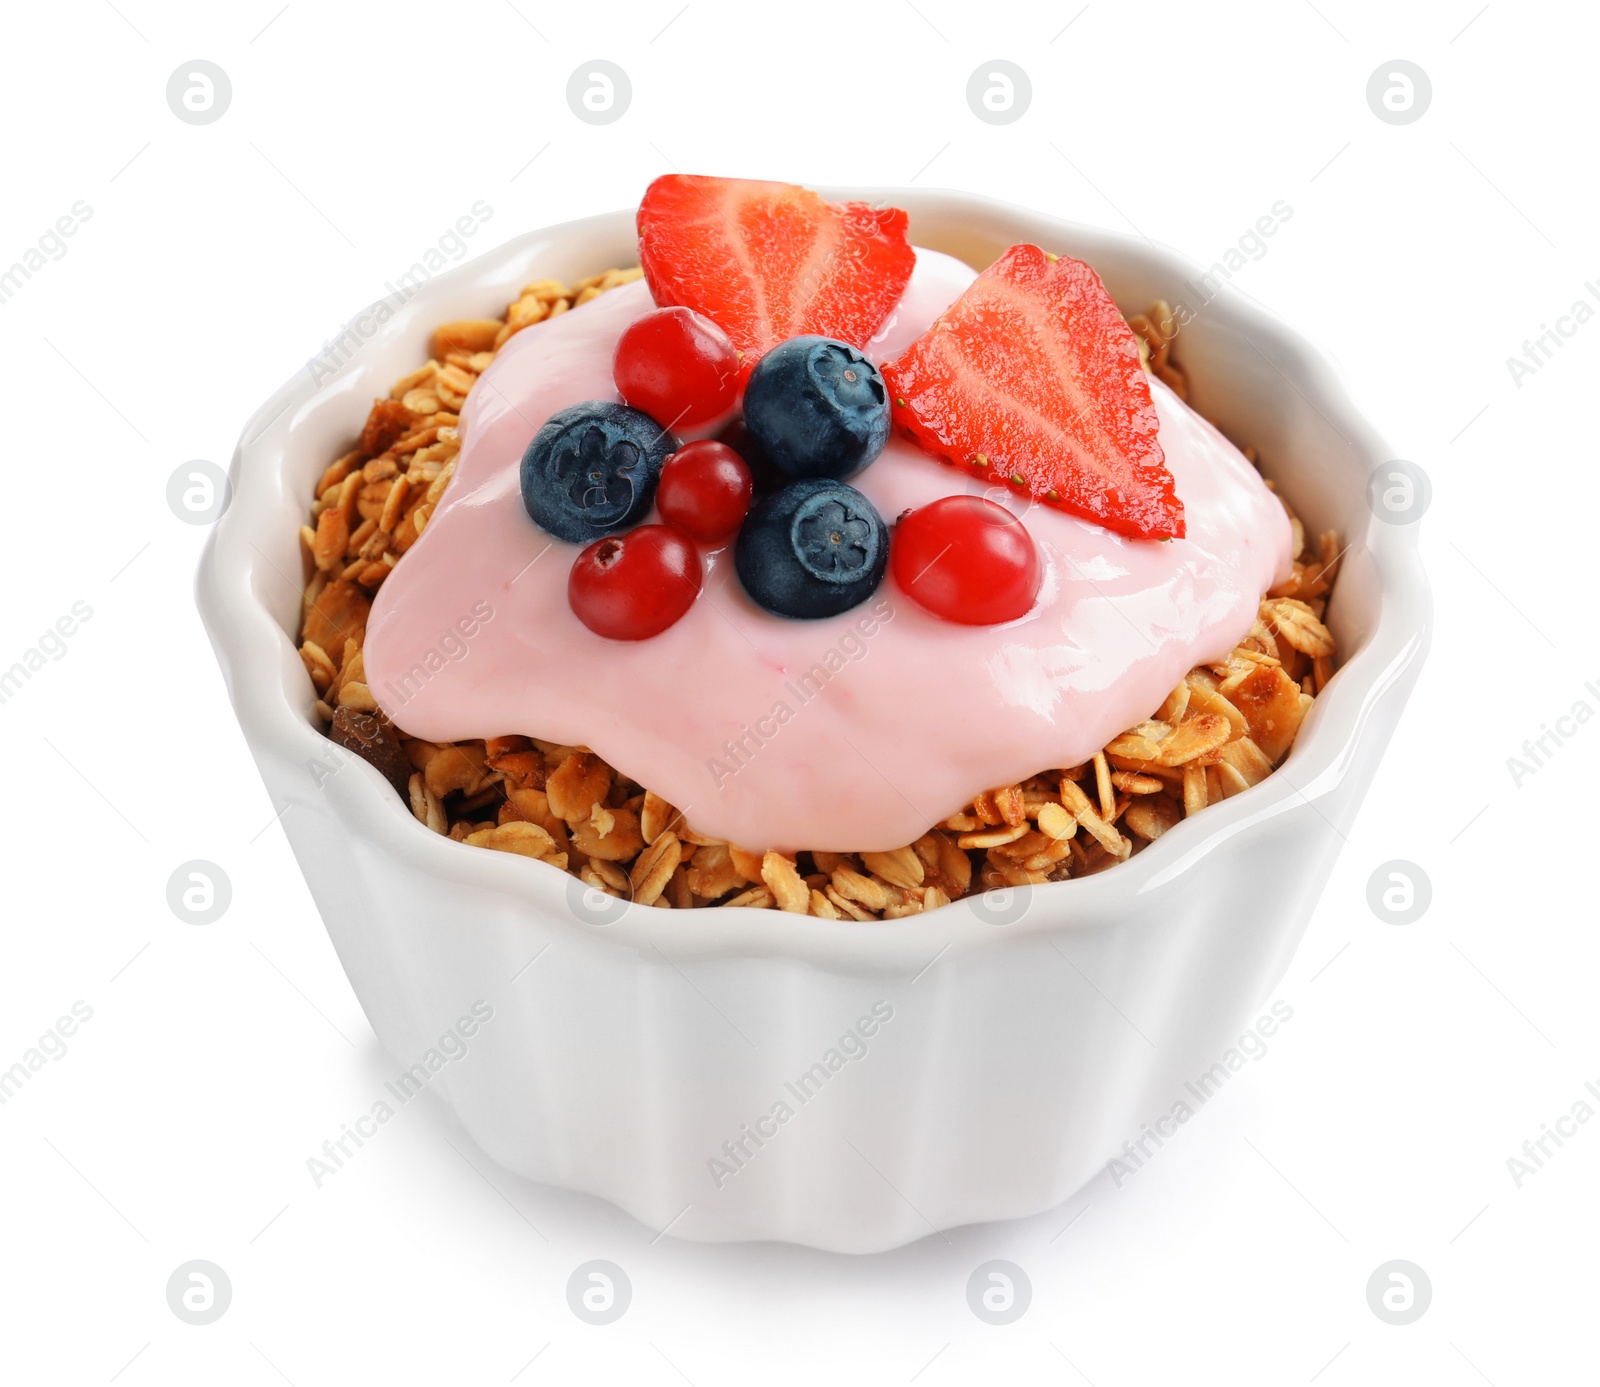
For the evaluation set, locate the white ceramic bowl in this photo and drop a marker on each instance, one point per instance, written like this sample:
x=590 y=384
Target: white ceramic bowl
x=1027 y=1038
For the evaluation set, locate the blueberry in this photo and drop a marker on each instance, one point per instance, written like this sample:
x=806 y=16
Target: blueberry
x=817 y=407
x=814 y=549
x=592 y=470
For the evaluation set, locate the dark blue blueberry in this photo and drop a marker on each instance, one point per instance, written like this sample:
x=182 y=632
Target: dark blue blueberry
x=814 y=549
x=817 y=407
x=592 y=470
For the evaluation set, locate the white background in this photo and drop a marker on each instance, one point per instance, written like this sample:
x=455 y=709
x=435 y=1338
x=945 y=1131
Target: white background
x=219 y=257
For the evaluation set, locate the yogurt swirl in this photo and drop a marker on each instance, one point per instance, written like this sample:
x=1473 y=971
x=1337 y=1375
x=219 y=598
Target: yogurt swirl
x=854 y=733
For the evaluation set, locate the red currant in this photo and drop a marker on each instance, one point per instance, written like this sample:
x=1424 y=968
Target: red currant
x=679 y=367
x=704 y=491
x=632 y=586
x=966 y=559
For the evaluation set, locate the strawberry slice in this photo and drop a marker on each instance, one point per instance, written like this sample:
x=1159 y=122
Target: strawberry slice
x=1032 y=378
x=768 y=261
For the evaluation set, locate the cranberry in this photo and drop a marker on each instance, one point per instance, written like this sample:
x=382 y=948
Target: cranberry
x=704 y=491
x=678 y=367
x=966 y=559
x=632 y=586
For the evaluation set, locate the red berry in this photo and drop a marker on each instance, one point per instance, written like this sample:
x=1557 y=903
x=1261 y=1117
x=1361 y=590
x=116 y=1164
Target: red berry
x=632 y=586
x=1032 y=379
x=704 y=491
x=770 y=260
x=967 y=560
x=677 y=366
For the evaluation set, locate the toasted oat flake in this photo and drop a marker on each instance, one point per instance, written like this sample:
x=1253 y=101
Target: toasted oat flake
x=606 y=875
x=994 y=837
x=1150 y=819
x=332 y=537
x=653 y=868
x=823 y=908
x=655 y=815
x=354 y=694
x=610 y=835
x=899 y=868
x=1135 y=784
x=1193 y=738
x=318 y=666
x=782 y=878
x=748 y=863
x=579 y=782
x=1141 y=743
x=1298 y=625
x=870 y=894
x=845 y=905
x=712 y=873
x=426 y=806
x=1270 y=702
x=1077 y=802
x=527 y=839
x=1175 y=705
x=1102 y=781
x=1229 y=780
x=1055 y=822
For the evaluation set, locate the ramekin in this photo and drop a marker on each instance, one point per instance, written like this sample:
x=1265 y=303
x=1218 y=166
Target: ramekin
x=646 y=1055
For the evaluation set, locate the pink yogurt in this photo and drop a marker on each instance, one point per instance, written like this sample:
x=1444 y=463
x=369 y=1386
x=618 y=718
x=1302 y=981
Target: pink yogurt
x=854 y=733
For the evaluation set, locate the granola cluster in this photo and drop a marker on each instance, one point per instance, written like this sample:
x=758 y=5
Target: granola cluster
x=1221 y=730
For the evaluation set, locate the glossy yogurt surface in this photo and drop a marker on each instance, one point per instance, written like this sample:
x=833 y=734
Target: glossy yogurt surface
x=854 y=733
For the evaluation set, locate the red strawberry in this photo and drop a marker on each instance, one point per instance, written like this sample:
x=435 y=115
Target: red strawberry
x=1032 y=378
x=768 y=261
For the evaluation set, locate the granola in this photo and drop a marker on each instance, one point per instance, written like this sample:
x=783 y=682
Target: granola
x=1220 y=731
